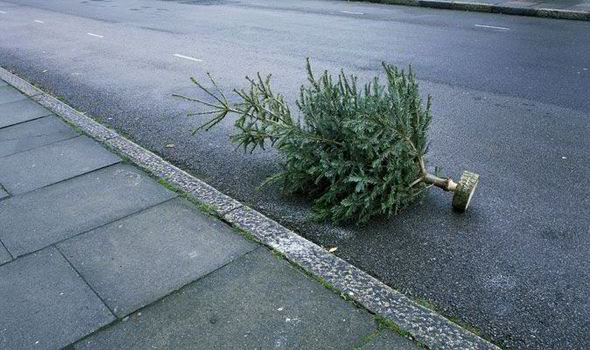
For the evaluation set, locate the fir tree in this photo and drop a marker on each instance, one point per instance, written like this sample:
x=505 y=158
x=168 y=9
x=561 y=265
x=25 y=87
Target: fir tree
x=356 y=151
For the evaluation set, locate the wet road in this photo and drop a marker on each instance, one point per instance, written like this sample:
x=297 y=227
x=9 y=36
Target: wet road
x=511 y=102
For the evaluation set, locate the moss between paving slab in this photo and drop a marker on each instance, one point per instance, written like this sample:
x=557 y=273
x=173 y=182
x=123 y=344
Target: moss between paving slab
x=366 y=340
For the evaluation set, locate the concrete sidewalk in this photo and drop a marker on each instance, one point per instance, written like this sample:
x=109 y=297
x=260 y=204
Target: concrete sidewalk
x=559 y=9
x=96 y=254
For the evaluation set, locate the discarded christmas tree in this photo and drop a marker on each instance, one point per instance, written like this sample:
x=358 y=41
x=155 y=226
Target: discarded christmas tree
x=357 y=152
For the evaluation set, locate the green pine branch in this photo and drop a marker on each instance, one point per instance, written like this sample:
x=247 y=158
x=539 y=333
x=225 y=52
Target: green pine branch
x=357 y=152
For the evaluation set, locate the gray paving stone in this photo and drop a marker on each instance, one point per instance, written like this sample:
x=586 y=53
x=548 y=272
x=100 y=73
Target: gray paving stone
x=33 y=134
x=10 y=94
x=45 y=304
x=4 y=255
x=257 y=302
x=25 y=171
x=135 y=261
x=21 y=111
x=387 y=339
x=46 y=216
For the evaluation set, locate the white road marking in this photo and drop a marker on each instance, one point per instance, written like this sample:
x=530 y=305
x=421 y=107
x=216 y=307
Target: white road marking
x=38 y=21
x=353 y=13
x=491 y=27
x=187 y=57
x=3 y=12
x=96 y=35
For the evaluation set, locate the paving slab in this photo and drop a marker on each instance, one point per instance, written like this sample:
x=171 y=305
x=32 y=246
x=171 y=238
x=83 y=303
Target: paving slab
x=135 y=261
x=387 y=339
x=10 y=94
x=258 y=301
x=40 y=218
x=4 y=255
x=33 y=134
x=45 y=304
x=25 y=171
x=20 y=111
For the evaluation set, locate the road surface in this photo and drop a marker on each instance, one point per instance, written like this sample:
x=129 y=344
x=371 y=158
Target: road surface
x=511 y=102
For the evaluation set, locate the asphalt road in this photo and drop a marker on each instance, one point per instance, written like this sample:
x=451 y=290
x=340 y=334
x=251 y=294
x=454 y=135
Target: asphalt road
x=511 y=102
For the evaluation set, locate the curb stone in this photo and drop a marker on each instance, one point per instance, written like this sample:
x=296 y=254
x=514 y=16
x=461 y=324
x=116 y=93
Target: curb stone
x=424 y=325
x=493 y=8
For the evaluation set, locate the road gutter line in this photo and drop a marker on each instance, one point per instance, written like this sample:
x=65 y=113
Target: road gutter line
x=38 y=21
x=187 y=57
x=95 y=35
x=3 y=12
x=490 y=27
